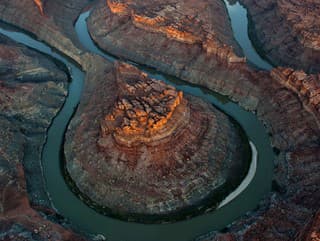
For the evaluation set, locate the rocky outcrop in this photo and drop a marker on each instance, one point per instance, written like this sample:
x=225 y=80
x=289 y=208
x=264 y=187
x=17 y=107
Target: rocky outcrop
x=287 y=31
x=189 y=32
x=31 y=86
x=306 y=86
x=187 y=27
x=144 y=108
x=159 y=156
x=55 y=27
x=285 y=100
x=284 y=107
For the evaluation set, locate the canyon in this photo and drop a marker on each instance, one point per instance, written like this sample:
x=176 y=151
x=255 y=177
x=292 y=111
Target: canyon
x=193 y=41
x=287 y=32
x=175 y=154
x=286 y=100
x=31 y=86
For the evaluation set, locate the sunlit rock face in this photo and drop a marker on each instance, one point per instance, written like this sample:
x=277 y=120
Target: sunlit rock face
x=147 y=110
x=39 y=5
x=189 y=22
x=152 y=151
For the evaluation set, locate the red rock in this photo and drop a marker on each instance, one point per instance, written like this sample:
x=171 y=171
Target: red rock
x=31 y=85
x=39 y=5
x=158 y=152
x=284 y=99
x=287 y=31
x=312 y=230
x=191 y=24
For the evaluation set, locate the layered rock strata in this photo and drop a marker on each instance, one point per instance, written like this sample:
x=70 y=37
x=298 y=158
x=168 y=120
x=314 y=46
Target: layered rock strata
x=51 y=21
x=294 y=131
x=287 y=31
x=158 y=152
x=32 y=90
x=288 y=110
x=186 y=31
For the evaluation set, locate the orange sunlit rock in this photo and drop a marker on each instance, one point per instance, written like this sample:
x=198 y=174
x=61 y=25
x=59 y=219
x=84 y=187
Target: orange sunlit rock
x=143 y=109
x=117 y=7
x=149 y=146
x=177 y=21
x=39 y=5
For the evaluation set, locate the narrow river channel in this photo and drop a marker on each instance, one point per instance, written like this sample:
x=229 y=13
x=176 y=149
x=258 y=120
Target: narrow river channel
x=256 y=185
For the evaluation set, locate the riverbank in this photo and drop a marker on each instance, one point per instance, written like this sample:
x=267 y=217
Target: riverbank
x=287 y=32
x=32 y=90
x=93 y=64
x=286 y=119
x=269 y=94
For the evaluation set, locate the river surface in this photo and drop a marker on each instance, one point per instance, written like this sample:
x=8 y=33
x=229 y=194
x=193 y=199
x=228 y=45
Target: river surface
x=239 y=22
x=255 y=186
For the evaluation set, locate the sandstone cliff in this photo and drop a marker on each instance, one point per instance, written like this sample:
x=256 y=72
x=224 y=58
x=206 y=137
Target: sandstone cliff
x=31 y=86
x=287 y=214
x=55 y=27
x=287 y=31
x=160 y=156
x=288 y=110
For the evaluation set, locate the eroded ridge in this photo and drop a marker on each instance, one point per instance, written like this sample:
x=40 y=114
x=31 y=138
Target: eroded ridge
x=183 y=22
x=154 y=151
x=147 y=110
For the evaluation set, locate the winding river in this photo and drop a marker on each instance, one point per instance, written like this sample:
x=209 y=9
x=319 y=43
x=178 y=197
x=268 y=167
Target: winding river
x=245 y=198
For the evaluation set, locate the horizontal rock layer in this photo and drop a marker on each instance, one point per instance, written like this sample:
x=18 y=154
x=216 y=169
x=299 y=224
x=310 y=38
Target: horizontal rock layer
x=293 y=129
x=160 y=155
x=287 y=31
x=32 y=90
x=54 y=27
x=288 y=110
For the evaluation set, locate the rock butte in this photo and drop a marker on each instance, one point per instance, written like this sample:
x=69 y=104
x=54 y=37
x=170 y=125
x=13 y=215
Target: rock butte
x=143 y=110
x=285 y=100
x=158 y=153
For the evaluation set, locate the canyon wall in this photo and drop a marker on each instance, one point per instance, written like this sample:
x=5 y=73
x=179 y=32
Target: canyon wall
x=285 y=100
x=286 y=31
x=32 y=90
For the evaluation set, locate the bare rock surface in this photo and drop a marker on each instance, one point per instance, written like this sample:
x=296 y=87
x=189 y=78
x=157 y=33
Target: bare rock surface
x=32 y=90
x=190 y=32
x=50 y=21
x=284 y=99
x=150 y=151
x=287 y=31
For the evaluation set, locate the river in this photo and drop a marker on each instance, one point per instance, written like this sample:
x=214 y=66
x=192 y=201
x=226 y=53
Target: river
x=246 y=198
